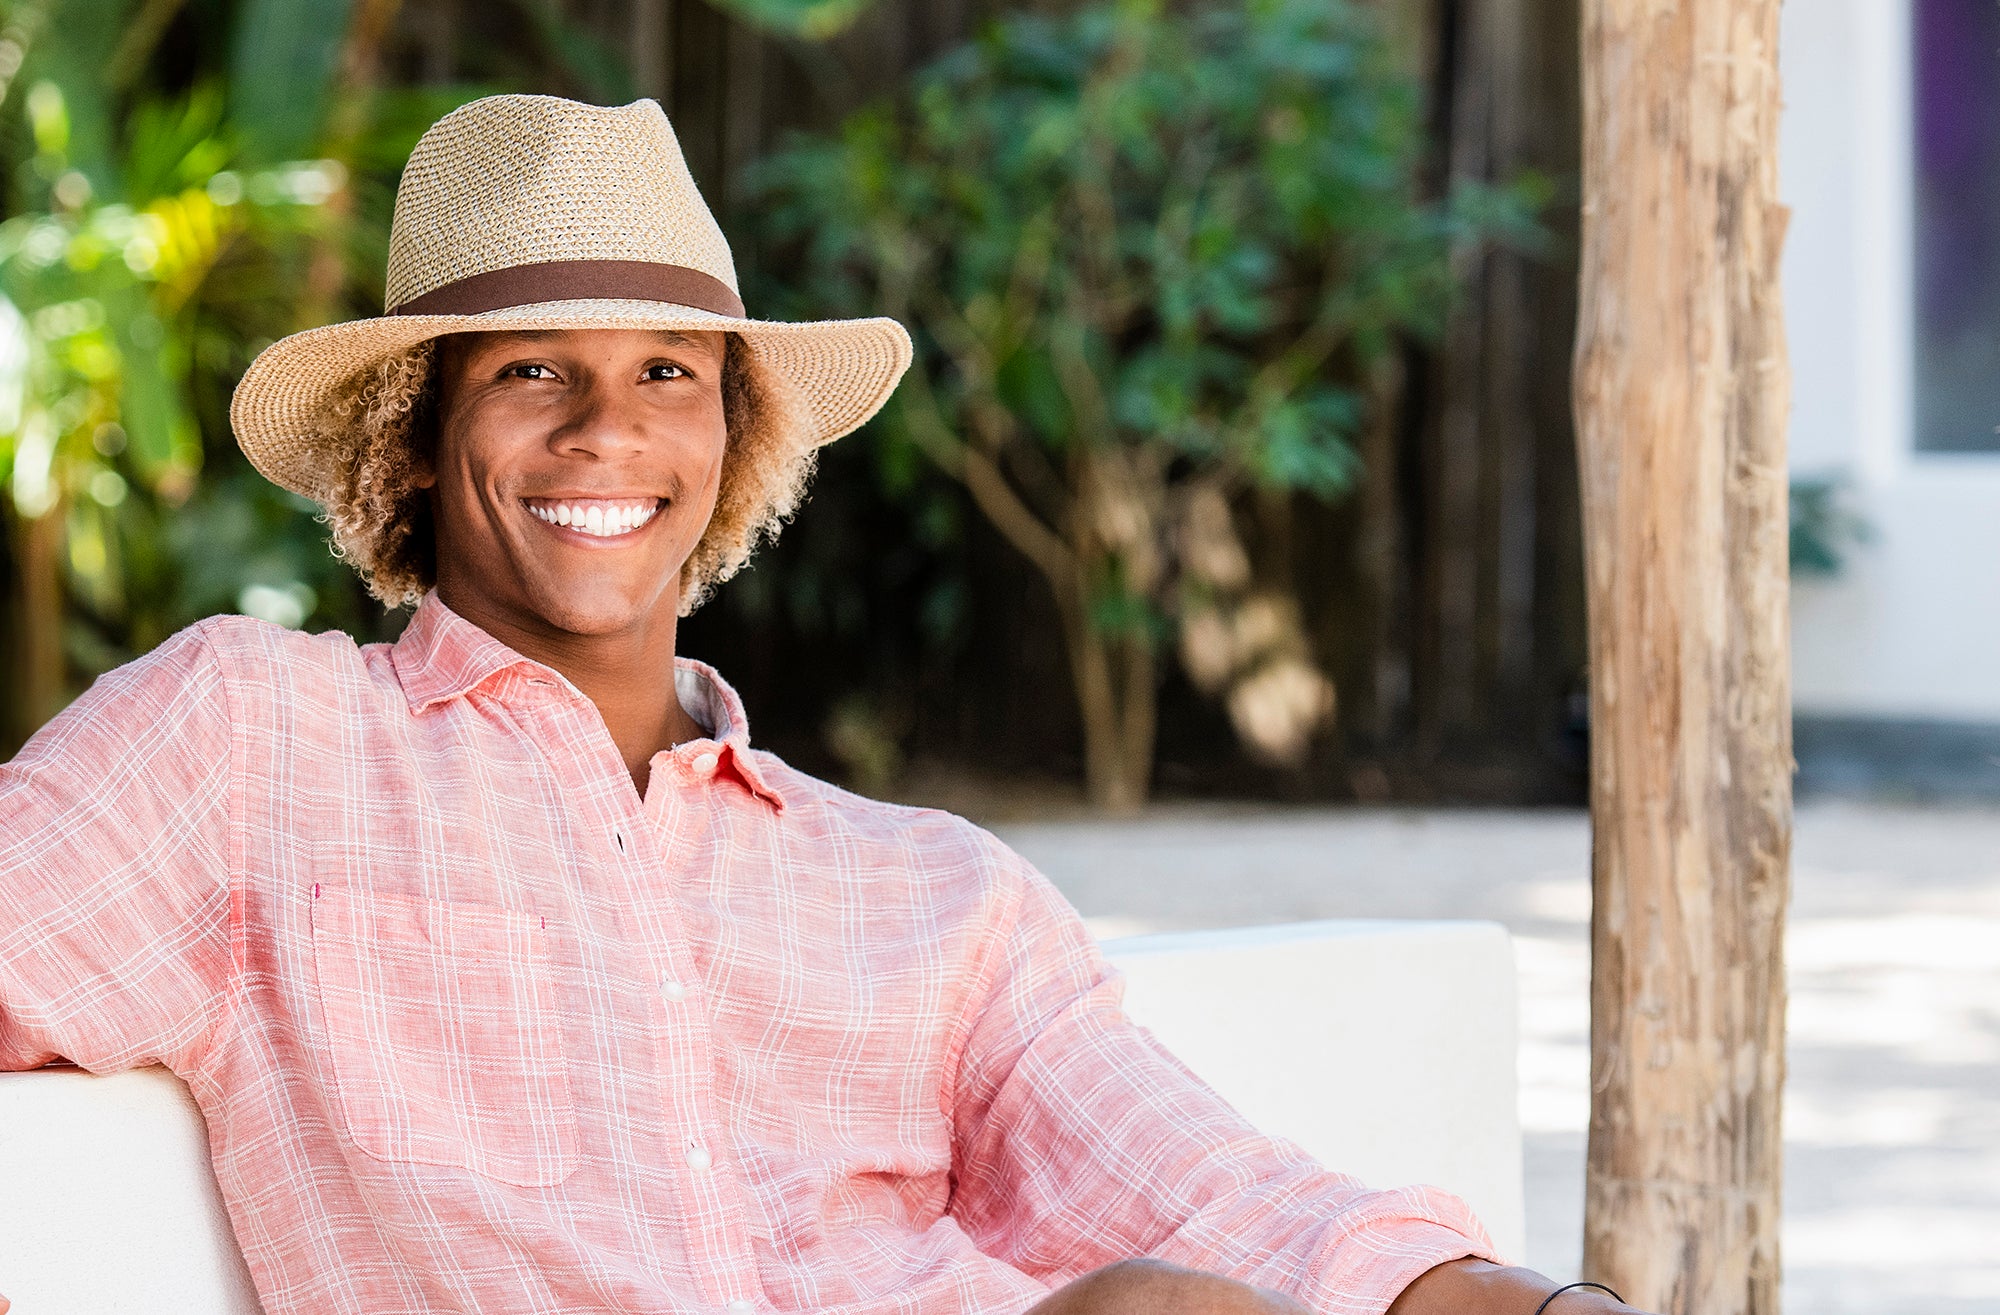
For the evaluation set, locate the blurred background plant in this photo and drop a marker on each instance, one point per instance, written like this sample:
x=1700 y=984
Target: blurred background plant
x=1153 y=256
x=1825 y=528
x=168 y=218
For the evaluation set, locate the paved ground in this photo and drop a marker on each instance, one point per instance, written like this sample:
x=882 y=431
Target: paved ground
x=1892 y=1117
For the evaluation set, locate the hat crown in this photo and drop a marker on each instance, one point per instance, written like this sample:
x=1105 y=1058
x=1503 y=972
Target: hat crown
x=508 y=181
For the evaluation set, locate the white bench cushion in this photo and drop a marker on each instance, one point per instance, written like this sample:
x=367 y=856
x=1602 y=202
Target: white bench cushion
x=1386 y=1049
x=107 y=1202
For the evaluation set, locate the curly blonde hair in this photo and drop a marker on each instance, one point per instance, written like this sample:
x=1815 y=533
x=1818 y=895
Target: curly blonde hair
x=381 y=427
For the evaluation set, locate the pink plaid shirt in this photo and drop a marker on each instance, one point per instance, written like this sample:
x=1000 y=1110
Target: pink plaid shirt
x=478 y=1029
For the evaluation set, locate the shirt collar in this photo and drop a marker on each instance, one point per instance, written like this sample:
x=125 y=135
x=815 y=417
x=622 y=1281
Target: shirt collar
x=707 y=698
x=442 y=656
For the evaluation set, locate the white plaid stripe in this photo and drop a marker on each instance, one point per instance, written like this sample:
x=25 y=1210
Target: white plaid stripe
x=478 y=1029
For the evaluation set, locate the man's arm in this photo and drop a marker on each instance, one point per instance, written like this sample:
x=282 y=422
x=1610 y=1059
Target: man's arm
x=1461 y=1287
x=1080 y=1143
x=114 y=836
x=1464 y=1287
x=114 y=827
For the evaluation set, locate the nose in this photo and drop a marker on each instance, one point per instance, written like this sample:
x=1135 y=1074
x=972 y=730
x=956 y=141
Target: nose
x=603 y=423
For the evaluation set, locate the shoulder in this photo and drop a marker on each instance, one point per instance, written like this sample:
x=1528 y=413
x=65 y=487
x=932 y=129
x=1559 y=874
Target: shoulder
x=820 y=804
x=264 y=678
x=242 y=643
x=176 y=693
x=930 y=844
x=263 y=664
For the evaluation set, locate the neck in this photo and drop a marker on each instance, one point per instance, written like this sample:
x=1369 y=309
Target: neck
x=627 y=673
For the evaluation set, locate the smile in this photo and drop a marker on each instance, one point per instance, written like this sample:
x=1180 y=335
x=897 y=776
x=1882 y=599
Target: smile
x=601 y=518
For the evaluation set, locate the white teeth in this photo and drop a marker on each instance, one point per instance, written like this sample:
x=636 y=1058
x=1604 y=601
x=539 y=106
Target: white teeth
x=603 y=520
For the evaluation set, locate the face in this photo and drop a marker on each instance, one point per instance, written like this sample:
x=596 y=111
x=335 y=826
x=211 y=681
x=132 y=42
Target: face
x=575 y=471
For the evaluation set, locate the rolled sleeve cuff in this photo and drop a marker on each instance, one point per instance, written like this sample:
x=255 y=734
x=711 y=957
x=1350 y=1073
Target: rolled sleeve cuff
x=1369 y=1266
x=1420 y=1248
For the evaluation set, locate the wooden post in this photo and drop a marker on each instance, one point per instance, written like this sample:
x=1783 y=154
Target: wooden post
x=1681 y=395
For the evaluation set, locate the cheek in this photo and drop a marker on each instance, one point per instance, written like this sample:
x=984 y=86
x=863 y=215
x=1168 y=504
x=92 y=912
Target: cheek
x=707 y=453
x=460 y=474
x=480 y=444
x=450 y=474
x=718 y=456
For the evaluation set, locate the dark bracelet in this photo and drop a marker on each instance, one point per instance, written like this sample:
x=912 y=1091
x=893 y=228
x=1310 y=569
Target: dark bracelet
x=1571 y=1286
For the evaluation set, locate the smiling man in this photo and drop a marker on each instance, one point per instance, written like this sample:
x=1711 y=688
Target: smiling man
x=508 y=976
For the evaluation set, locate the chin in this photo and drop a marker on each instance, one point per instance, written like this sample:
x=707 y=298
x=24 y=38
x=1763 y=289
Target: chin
x=601 y=607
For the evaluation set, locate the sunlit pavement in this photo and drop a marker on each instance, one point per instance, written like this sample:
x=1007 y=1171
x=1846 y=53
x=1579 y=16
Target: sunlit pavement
x=1892 y=1116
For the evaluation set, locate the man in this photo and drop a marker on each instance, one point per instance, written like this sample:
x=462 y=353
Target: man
x=507 y=975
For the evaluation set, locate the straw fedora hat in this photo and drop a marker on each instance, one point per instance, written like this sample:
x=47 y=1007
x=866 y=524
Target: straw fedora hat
x=533 y=212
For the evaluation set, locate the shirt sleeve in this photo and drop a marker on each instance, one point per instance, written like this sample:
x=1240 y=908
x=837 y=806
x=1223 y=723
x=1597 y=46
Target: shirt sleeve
x=1081 y=1141
x=114 y=891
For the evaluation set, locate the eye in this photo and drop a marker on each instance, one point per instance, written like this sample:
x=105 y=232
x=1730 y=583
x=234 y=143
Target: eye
x=665 y=370
x=528 y=370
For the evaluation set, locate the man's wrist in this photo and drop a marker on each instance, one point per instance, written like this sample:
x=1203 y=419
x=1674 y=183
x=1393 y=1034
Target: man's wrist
x=1548 y=1302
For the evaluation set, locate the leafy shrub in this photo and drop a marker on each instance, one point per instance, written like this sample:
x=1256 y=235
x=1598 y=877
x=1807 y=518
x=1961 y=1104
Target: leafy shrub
x=1151 y=255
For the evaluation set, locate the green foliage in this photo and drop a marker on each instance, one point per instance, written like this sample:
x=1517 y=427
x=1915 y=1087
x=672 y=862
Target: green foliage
x=1152 y=255
x=281 y=72
x=599 y=72
x=1184 y=230
x=1823 y=527
x=162 y=230
x=814 y=19
x=99 y=301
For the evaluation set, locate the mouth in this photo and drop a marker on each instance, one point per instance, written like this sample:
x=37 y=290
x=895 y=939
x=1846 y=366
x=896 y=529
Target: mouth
x=596 y=518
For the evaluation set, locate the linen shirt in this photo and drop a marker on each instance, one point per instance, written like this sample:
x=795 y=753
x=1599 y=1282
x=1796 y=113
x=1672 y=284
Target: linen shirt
x=477 y=1028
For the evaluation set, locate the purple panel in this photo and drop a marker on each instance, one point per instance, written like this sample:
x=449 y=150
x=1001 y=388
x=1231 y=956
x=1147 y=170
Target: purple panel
x=1958 y=225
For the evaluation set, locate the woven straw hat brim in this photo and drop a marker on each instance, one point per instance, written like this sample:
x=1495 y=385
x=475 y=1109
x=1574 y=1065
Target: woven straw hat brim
x=842 y=371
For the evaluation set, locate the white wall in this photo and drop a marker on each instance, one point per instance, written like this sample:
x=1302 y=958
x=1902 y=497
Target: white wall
x=1911 y=628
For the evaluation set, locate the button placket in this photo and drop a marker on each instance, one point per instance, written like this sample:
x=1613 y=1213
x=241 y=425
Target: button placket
x=650 y=835
x=662 y=832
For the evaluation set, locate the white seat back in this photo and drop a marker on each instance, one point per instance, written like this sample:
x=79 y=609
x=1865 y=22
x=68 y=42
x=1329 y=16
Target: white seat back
x=107 y=1202
x=1386 y=1048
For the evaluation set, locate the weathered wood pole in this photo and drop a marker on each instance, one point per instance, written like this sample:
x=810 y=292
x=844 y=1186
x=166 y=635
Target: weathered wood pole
x=1681 y=395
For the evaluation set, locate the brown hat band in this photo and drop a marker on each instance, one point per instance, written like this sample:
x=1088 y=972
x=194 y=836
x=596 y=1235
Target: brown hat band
x=575 y=280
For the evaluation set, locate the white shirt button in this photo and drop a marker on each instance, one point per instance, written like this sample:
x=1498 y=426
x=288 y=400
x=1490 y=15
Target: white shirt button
x=673 y=990
x=705 y=764
x=739 y=1307
x=698 y=1158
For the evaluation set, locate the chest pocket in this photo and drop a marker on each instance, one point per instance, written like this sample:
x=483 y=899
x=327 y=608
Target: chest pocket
x=442 y=1023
